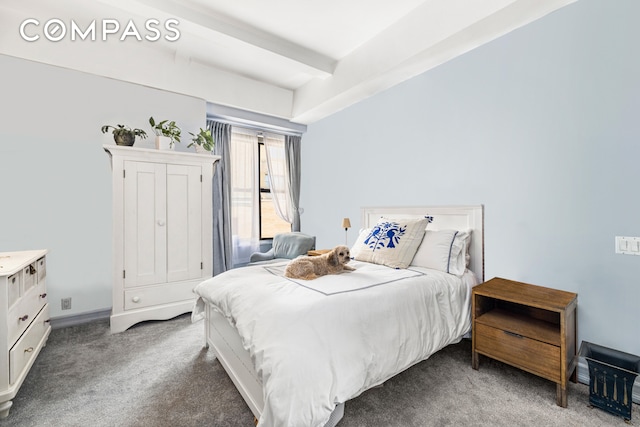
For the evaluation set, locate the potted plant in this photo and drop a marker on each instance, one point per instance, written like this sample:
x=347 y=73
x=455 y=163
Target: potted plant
x=124 y=135
x=203 y=141
x=167 y=133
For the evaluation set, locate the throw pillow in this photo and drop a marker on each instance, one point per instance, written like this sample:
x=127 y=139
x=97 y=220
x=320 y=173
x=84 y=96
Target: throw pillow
x=444 y=250
x=391 y=242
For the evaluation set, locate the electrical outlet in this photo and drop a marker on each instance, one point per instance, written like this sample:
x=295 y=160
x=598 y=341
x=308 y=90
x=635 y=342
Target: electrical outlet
x=66 y=303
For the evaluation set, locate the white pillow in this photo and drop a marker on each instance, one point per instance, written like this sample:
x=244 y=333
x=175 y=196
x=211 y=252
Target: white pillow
x=391 y=242
x=444 y=250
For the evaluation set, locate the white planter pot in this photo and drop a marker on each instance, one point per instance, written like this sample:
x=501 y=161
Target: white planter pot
x=163 y=143
x=201 y=150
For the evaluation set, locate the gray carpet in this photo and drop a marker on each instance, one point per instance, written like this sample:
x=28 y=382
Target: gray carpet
x=158 y=374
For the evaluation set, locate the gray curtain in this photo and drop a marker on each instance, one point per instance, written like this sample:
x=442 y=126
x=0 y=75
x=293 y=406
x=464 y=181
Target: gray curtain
x=222 y=249
x=292 y=153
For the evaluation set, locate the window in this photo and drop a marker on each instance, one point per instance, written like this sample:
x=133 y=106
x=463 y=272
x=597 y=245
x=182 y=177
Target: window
x=253 y=210
x=270 y=223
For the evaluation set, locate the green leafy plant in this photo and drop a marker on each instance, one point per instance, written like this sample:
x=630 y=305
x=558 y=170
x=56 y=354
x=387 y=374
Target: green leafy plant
x=166 y=128
x=124 y=135
x=203 y=138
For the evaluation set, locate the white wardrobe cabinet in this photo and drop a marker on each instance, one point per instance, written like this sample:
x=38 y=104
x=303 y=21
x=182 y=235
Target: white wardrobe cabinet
x=162 y=232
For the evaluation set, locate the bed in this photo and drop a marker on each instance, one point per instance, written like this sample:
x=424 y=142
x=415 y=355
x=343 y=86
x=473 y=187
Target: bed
x=298 y=350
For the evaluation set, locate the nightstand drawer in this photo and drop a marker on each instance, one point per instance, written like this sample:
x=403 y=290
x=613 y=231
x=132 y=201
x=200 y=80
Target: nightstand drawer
x=528 y=354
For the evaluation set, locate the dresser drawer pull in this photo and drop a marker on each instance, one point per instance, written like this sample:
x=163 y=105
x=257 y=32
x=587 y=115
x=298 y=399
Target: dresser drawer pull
x=28 y=350
x=23 y=318
x=513 y=334
x=135 y=299
x=43 y=295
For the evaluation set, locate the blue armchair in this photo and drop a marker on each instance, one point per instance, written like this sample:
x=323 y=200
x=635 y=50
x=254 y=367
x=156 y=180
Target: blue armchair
x=286 y=245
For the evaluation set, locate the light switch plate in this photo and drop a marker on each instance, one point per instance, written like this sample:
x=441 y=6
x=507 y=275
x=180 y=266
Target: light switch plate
x=628 y=245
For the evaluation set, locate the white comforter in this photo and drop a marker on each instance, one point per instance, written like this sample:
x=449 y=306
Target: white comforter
x=319 y=343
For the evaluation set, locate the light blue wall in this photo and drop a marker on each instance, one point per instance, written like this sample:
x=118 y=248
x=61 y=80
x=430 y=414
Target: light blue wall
x=541 y=127
x=56 y=178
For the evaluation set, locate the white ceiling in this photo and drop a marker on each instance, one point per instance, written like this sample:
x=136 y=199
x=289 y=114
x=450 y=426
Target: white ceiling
x=301 y=60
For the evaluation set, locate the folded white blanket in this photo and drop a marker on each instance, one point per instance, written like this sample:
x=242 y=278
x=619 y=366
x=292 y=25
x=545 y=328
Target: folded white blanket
x=368 y=275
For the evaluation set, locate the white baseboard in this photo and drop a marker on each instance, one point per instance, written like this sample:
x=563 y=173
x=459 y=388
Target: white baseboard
x=79 y=319
x=583 y=377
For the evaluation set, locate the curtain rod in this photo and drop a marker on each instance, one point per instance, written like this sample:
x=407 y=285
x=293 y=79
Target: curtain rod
x=253 y=120
x=254 y=126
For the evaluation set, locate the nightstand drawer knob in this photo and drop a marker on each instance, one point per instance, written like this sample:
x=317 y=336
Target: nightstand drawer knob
x=513 y=334
x=43 y=295
x=23 y=318
x=28 y=350
x=135 y=299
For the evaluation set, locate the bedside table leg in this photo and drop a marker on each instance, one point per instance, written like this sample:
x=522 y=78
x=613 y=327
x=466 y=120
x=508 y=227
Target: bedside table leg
x=475 y=360
x=561 y=396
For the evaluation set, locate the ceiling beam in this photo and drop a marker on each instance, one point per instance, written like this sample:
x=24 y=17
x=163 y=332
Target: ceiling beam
x=401 y=52
x=433 y=33
x=146 y=64
x=209 y=26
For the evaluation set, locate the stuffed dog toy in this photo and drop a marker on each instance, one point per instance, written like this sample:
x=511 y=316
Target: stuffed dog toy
x=311 y=267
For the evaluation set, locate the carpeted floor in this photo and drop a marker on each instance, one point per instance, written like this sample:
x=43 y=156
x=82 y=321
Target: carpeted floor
x=158 y=374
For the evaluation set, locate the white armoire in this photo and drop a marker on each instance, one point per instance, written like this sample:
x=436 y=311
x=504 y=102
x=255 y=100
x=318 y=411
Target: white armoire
x=162 y=232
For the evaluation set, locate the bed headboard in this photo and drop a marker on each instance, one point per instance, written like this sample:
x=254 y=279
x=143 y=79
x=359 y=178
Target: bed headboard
x=444 y=218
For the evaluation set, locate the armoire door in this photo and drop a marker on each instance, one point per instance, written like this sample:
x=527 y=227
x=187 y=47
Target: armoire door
x=184 y=222
x=145 y=223
x=162 y=223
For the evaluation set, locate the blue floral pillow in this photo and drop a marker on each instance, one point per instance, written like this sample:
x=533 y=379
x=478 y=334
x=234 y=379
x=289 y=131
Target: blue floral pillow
x=391 y=242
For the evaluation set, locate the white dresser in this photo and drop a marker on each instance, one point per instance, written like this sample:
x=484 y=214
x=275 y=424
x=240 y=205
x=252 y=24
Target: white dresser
x=24 y=319
x=162 y=232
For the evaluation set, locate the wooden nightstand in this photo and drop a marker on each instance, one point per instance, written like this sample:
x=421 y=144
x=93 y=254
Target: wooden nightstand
x=530 y=327
x=316 y=252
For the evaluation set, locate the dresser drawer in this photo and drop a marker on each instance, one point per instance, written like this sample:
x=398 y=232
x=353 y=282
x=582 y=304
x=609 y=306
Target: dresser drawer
x=531 y=355
x=41 y=267
x=40 y=293
x=29 y=345
x=25 y=309
x=14 y=284
x=161 y=294
x=29 y=277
